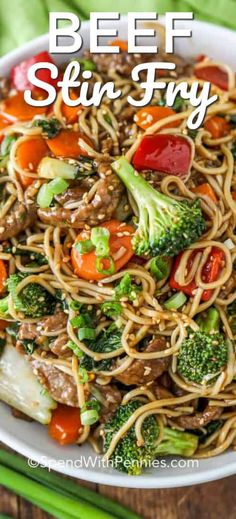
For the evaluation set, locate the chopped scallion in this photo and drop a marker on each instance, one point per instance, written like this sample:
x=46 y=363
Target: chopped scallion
x=86 y=333
x=87 y=64
x=175 y=301
x=159 y=268
x=111 y=308
x=45 y=196
x=83 y=375
x=89 y=417
x=58 y=186
x=100 y=238
x=84 y=246
x=99 y=266
x=76 y=350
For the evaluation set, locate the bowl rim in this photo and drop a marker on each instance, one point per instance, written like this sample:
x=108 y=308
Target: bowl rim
x=119 y=479
x=94 y=475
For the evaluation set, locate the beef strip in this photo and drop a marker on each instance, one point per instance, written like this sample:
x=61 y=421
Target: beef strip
x=60 y=385
x=62 y=388
x=199 y=419
x=111 y=399
x=144 y=371
x=123 y=63
x=107 y=146
x=17 y=220
x=101 y=208
x=160 y=391
x=33 y=332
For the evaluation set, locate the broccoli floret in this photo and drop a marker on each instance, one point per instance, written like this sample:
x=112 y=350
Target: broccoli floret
x=166 y=226
x=203 y=355
x=108 y=340
x=33 y=300
x=129 y=457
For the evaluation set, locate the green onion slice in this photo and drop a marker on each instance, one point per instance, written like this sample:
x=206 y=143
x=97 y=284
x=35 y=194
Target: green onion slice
x=83 y=375
x=159 y=268
x=86 y=333
x=77 y=321
x=111 y=308
x=86 y=64
x=76 y=350
x=7 y=143
x=175 y=301
x=45 y=196
x=84 y=246
x=89 y=417
x=106 y=272
x=100 y=238
x=58 y=186
x=48 y=191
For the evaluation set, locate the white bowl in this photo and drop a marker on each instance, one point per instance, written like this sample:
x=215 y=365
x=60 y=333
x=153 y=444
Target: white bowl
x=31 y=439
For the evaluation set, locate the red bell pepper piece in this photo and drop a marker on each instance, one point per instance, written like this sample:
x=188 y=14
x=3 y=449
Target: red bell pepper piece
x=170 y=154
x=210 y=272
x=215 y=75
x=18 y=75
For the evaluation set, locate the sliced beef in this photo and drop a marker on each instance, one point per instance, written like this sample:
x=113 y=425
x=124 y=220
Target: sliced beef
x=59 y=346
x=17 y=220
x=199 y=419
x=111 y=399
x=61 y=386
x=160 y=391
x=144 y=371
x=72 y=195
x=54 y=323
x=123 y=63
x=101 y=208
x=107 y=146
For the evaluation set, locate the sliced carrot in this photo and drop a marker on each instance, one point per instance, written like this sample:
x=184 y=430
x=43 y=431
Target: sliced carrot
x=65 y=425
x=71 y=113
x=217 y=126
x=84 y=265
x=149 y=115
x=3 y=277
x=122 y=44
x=29 y=155
x=16 y=109
x=66 y=144
x=233 y=194
x=206 y=189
